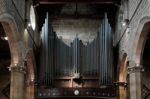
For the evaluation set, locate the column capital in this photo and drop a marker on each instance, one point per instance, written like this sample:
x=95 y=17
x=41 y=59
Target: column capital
x=17 y=69
x=135 y=69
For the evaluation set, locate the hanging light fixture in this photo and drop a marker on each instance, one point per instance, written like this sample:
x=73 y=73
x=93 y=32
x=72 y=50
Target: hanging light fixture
x=126 y=20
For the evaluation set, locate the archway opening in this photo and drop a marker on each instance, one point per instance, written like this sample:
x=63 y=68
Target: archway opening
x=5 y=60
x=146 y=65
x=142 y=56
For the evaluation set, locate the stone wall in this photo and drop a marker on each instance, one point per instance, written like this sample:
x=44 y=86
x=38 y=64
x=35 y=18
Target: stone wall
x=138 y=10
x=17 y=11
x=20 y=7
x=129 y=42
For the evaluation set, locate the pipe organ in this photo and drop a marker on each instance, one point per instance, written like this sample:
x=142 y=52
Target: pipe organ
x=78 y=65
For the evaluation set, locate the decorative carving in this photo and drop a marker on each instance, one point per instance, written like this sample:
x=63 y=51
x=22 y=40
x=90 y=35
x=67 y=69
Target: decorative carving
x=121 y=84
x=135 y=69
x=17 y=69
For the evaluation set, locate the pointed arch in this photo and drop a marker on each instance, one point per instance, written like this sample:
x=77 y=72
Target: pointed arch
x=140 y=39
x=123 y=77
x=11 y=30
x=123 y=69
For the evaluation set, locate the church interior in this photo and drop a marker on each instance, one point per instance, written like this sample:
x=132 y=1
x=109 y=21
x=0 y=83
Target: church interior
x=74 y=49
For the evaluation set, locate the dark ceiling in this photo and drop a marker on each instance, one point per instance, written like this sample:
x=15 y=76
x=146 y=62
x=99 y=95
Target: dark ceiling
x=76 y=9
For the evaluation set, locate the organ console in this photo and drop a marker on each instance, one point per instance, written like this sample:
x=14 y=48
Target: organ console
x=78 y=66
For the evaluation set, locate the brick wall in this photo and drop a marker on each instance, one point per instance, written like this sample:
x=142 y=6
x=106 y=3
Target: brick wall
x=127 y=40
x=20 y=5
x=139 y=10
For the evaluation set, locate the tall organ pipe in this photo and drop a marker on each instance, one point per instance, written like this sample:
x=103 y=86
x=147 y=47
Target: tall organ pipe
x=106 y=53
x=93 y=59
x=47 y=53
x=76 y=55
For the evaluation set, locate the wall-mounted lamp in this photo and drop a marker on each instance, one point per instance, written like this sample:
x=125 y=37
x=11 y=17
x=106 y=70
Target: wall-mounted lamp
x=125 y=22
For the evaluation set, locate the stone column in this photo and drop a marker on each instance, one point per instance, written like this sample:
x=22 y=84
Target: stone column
x=135 y=81
x=17 y=82
x=122 y=90
x=30 y=87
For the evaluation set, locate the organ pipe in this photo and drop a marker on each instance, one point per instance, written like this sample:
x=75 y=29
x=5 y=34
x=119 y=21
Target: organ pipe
x=93 y=59
x=106 y=75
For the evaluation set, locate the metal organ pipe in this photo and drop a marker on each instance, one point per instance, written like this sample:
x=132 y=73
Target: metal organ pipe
x=92 y=59
x=46 y=51
x=76 y=55
x=41 y=58
x=105 y=57
x=47 y=54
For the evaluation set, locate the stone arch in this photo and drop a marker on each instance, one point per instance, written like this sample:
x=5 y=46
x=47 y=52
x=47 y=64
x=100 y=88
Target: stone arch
x=140 y=39
x=30 y=76
x=137 y=56
x=30 y=63
x=19 y=54
x=123 y=68
x=11 y=30
x=122 y=79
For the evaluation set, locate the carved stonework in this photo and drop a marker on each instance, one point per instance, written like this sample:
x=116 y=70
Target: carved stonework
x=135 y=69
x=18 y=69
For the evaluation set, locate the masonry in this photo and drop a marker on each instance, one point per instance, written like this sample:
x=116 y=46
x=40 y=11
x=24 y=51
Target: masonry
x=13 y=18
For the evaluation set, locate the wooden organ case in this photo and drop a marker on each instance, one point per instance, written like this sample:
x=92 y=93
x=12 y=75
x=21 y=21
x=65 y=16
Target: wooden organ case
x=77 y=70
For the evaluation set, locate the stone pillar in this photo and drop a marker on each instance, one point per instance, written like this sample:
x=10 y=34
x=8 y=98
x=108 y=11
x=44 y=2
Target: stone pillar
x=30 y=87
x=122 y=90
x=17 y=82
x=135 y=81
